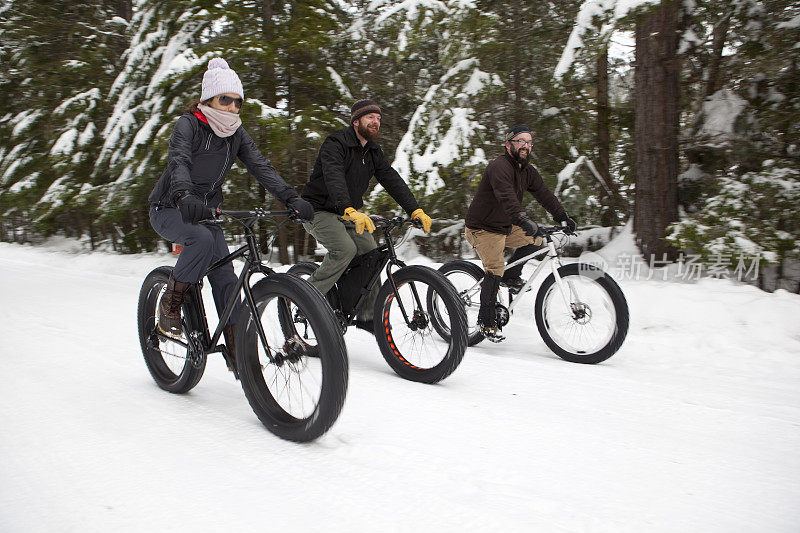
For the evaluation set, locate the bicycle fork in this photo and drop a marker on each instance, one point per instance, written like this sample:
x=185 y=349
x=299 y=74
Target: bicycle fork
x=415 y=322
x=567 y=290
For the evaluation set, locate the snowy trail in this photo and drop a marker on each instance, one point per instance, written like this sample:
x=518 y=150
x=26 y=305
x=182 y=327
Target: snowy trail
x=693 y=425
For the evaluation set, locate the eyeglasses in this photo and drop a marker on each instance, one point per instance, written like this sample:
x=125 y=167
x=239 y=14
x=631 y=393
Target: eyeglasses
x=521 y=142
x=224 y=99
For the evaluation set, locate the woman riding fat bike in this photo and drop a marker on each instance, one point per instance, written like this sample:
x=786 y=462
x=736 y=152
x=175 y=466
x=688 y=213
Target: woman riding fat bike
x=204 y=144
x=296 y=386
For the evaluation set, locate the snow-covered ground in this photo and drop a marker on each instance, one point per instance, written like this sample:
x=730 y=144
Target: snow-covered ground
x=693 y=426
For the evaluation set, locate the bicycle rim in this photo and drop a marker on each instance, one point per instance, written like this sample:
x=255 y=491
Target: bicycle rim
x=417 y=345
x=594 y=327
x=469 y=292
x=173 y=350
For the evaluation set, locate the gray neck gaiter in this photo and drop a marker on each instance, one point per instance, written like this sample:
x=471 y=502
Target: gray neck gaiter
x=223 y=123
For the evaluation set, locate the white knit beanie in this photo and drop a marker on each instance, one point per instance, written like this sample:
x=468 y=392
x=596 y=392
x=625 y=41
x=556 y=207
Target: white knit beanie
x=220 y=79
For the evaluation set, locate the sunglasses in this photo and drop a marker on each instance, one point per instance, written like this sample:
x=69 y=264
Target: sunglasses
x=224 y=99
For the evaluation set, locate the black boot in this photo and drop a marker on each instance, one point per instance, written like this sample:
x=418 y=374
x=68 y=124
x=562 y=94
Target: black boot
x=169 y=308
x=229 y=332
x=512 y=277
x=487 y=316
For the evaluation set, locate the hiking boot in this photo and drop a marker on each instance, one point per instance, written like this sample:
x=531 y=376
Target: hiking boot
x=491 y=332
x=169 y=308
x=229 y=332
x=366 y=325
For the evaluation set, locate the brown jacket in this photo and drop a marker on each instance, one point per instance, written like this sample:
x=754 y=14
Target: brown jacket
x=499 y=195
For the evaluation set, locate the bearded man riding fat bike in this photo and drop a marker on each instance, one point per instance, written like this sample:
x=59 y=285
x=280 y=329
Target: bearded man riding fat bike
x=398 y=312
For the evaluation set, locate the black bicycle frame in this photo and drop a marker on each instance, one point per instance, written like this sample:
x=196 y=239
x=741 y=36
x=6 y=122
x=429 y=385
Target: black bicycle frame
x=389 y=259
x=207 y=343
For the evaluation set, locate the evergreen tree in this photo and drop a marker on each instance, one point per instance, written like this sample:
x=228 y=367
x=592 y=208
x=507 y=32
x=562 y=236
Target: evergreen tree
x=160 y=73
x=51 y=49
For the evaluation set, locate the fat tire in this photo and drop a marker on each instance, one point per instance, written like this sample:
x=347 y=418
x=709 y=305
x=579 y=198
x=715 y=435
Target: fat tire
x=457 y=338
x=477 y=273
x=620 y=308
x=147 y=317
x=332 y=354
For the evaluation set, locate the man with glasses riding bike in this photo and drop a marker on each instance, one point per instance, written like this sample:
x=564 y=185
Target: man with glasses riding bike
x=496 y=219
x=347 y=161
x=203 y=146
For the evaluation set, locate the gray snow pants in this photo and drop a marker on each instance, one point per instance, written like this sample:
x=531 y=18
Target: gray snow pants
x=202 y=245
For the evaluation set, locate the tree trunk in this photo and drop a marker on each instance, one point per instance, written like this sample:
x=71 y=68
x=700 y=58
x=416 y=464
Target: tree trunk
x=718 y=44
x=656 y=108
x=604 y=137
x=268 y=76
x=125 y=9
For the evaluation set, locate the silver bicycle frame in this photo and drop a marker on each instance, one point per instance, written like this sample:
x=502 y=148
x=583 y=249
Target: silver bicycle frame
x=551 y=258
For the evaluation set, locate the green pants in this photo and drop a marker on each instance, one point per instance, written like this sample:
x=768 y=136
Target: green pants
x=339 y=237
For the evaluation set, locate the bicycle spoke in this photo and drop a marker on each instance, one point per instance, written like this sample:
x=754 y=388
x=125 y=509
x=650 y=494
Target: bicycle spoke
x=294 y=380
x=595 y=325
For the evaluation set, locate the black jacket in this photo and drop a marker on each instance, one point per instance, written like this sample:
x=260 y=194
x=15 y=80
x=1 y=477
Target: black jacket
x=342 y=172
x=499 y=195
x=199 y=161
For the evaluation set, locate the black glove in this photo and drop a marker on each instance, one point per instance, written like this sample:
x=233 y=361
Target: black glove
x=192 y=209
x=566 y=221
x=528 y=226
x=302 y=209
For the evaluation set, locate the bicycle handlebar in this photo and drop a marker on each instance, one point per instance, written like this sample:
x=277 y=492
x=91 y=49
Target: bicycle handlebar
x=255 y=213
x=549 y=230
x=395 y=222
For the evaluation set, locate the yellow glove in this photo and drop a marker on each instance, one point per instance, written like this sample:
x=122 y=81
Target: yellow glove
x=425 y=219
x=361 y=220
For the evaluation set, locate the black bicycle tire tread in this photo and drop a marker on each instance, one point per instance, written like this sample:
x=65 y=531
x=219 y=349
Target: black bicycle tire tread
x=336 y=373
x=459 y=344
x=190 y=376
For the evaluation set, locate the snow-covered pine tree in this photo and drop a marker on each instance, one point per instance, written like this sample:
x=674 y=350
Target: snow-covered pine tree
x=284 y=52
x=159 y=74
x=57 y=55
x=419 y=63
x=740 y=193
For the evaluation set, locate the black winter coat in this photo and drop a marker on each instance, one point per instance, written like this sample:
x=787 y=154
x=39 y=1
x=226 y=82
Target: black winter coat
x=199 y=160
x=342 y=173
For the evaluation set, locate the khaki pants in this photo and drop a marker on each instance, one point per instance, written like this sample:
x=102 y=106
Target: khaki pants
x=490 y=246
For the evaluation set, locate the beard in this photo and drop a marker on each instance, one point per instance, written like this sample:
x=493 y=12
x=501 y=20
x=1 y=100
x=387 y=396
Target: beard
x=519 y=158
x=367 y=133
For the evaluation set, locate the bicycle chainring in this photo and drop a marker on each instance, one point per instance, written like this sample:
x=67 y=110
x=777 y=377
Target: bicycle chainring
x=195 y=353
x=501 y=315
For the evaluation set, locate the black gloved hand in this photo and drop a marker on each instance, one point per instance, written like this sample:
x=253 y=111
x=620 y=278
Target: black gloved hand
x=566 y=221
x=192 y=209
x=303 y=210
x=528 y=226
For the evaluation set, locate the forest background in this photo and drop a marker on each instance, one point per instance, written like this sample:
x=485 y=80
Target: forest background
x=680 y=117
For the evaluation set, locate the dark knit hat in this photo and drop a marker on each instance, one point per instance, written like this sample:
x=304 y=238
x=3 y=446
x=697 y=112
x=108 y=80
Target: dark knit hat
x=516 y=130
x=363 y=107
